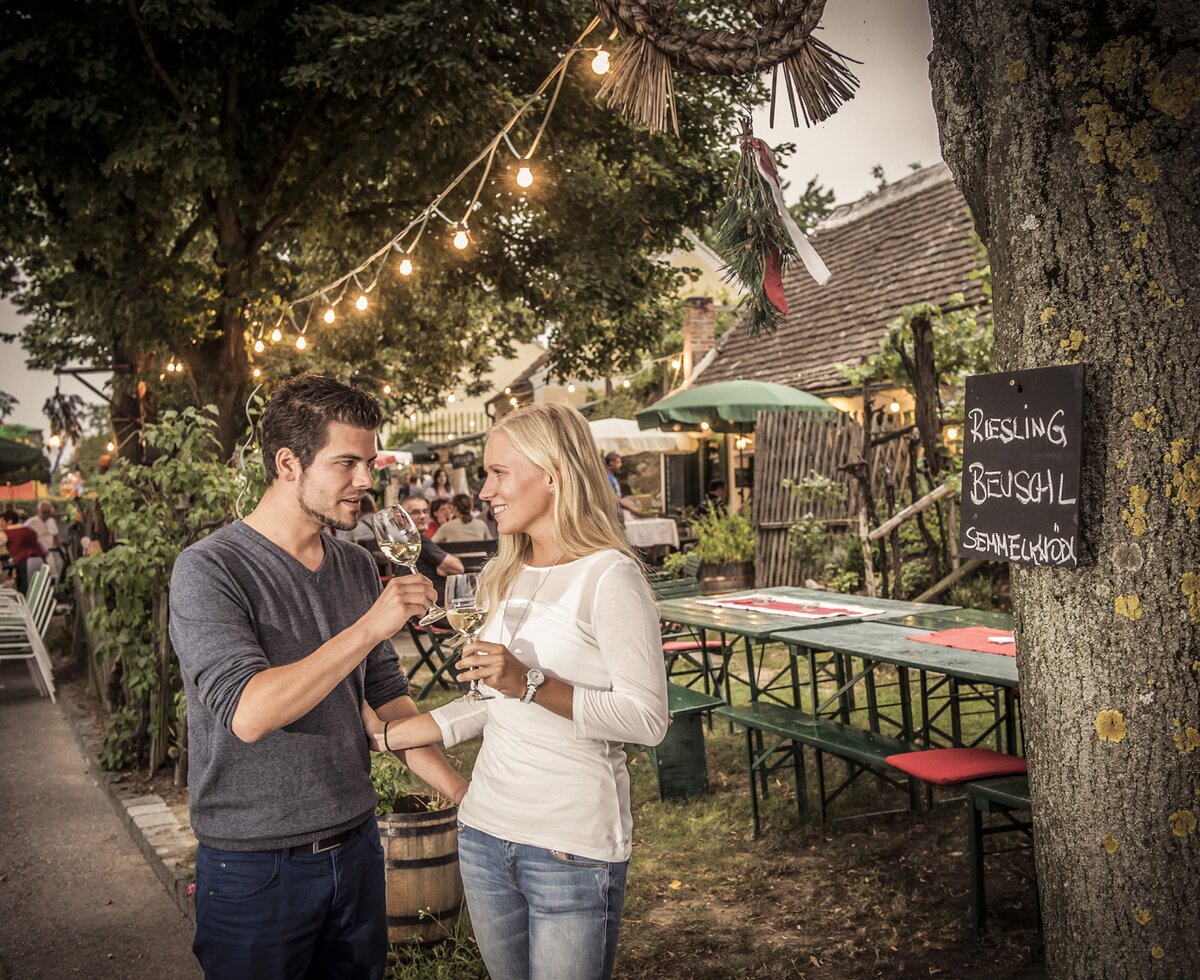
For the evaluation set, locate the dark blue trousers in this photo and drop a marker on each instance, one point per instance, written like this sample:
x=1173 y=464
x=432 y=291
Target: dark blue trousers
x=275 y=915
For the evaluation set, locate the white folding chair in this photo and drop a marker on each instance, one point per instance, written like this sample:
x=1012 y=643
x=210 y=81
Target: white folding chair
x=23 y=624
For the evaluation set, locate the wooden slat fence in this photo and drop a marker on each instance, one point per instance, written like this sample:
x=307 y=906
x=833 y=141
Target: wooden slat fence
x=792 y=446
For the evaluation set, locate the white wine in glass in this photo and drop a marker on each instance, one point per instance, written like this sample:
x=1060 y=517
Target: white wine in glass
x=400 y=541
x=466 y=612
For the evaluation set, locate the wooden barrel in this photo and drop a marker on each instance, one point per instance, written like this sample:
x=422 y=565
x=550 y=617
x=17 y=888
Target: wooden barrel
x=728 y=576
x=420 y=857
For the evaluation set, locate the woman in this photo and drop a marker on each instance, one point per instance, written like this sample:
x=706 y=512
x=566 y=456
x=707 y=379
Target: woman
x=443 y=513
x=439 y=487
x=464 y=526
x=571 y=658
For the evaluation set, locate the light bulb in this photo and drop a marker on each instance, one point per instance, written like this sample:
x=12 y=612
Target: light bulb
x=675 y=364
x=330 y=316
x=276 y=335
x=259 y=347
x=406 y=266
x=524 y=177
x=471 y=423
x=513 y=402
x=387 y=389
x=704 y=426
x=625 y=383
x=508 y=391
x=600 y=63
x=894 y=407
x=55 y=441
x=301 y=343
x=461 y=240
x=256 y=373
x=111 y=446
x=450 y=399
x=571 y=388
x=952 y=433
x=361 y=302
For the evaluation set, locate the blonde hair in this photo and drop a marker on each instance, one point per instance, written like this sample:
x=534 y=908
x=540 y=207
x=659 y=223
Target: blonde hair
x=557 y=440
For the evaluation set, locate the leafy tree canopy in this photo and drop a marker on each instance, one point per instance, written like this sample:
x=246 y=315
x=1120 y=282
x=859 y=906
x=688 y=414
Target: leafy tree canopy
x=178 y=170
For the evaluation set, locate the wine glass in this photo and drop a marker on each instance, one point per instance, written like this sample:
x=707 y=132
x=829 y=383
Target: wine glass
x=400 y=541
x=466 y=610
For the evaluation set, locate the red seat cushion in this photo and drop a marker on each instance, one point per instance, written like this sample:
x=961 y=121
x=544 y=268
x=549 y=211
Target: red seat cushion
x=678 y=646
x=944 y=766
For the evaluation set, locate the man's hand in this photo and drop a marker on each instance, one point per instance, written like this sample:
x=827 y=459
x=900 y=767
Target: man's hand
x=402 y=598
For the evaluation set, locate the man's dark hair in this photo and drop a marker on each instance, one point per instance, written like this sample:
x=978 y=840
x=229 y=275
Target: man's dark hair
x=715 y=485
x=11 y=516
x=609 y=458
x=299 y=413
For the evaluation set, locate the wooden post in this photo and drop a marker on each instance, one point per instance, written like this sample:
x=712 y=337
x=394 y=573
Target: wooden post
x=912 y=510
x=963 y=570
x=864 y=539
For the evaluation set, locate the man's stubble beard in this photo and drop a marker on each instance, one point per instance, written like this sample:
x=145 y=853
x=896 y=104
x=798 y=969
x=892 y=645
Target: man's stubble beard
x=326 y=520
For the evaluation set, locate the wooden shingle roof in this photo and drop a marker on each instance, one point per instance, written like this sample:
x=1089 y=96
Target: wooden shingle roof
x=907 y=244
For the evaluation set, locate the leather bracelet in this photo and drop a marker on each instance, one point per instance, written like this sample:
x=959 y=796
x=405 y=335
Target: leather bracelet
x=386 y=747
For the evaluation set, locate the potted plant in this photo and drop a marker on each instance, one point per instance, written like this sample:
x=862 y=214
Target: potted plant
x=419 y=834
x=725 y=546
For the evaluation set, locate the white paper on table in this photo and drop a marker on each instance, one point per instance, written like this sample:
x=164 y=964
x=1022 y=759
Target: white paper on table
x=1002 y=639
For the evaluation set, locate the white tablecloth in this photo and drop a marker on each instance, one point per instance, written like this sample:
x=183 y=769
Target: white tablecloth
x=646 y=532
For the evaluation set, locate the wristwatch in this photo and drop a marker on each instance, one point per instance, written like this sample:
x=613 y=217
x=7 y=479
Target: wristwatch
x=534 y=679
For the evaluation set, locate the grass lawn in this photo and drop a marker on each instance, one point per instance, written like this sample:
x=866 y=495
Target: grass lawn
x=866 y=896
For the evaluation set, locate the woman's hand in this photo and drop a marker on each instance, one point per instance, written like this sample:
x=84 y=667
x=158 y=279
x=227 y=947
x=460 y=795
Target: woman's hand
x=494 y=664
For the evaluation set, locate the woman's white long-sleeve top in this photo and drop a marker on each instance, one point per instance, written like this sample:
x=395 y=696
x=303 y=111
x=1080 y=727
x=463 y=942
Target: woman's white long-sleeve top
x=544 y=780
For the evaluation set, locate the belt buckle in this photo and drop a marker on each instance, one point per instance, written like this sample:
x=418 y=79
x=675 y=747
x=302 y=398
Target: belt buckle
x=318 y=848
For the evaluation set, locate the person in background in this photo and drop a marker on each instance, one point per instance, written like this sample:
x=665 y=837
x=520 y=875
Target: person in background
x=439 y=487
x=45 y=527
x=465 y=526
x=364 y=534
x=615 y=465
x=434 y=563
x=24 y=550
x=716 y=498
x=570 y=659
x=282 y=633
x=443 y=512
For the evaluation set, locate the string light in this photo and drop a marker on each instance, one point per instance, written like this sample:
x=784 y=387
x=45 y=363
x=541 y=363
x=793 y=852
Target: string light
x=461 y=238
x=360 y=304
x=742 y=442
x=256 y=373
x=952 y=433
x=524 y=177
x=450 y=399
x=571 y=388
x=301 y=343
x=406 y=265
x=676 y=363
x=704 y=426
x=276 y=335
x=513 y=402
x=412 y=417
x=625 y=383
x=387 y=389
x=894 y=407
x=508 y=391
x=330 y=316
x=471 y=423
x=259 y=347
x=110 y=446
x=600 y=62
x=55 y=441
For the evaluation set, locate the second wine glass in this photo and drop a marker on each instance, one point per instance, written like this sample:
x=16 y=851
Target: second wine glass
x=400 y=541
x=466 y=611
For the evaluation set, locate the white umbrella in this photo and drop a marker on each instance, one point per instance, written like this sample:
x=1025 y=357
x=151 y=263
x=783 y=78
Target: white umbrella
x=623 y=436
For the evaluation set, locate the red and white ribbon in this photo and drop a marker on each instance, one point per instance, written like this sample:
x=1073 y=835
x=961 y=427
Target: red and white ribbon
x=764 y=161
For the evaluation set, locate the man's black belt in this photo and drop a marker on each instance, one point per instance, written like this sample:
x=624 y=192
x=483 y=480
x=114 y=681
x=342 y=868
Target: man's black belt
x=328 y=843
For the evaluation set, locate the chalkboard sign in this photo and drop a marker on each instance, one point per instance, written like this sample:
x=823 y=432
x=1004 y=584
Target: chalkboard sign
x=460 y=461
x=1021 y=466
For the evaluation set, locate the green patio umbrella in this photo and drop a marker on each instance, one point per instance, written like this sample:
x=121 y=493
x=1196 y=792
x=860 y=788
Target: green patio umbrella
x=728 y=406
x=421 y=453
x=20 y=463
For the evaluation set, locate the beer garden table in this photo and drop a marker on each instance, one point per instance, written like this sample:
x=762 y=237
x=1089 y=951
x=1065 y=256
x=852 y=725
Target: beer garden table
x=881 y=642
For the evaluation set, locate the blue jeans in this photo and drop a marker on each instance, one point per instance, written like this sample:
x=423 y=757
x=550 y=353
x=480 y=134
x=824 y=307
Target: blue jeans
x=539 y=914
x=275 y=915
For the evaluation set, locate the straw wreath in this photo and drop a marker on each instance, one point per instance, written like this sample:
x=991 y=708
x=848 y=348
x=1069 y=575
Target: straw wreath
x=639 y=83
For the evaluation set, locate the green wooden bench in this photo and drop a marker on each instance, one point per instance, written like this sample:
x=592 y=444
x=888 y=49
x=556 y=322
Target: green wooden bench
x=791 y=730
x=1003 y=796
x=679 y=759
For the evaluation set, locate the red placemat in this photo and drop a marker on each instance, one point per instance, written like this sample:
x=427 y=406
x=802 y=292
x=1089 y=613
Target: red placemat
x=975 y=638
x=798 y=608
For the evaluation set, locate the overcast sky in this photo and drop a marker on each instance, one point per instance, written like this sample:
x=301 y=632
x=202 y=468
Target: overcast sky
x=889 y=122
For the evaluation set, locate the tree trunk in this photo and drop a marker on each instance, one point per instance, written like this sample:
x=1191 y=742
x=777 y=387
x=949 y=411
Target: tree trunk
x=217 y=372
x=1071 y=131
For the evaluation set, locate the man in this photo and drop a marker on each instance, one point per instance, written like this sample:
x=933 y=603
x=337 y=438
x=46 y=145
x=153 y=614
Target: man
x=282 y=633
x=717 y=496
x=615 y=464
x=23 y=548
x=434 y=563
x=46 y=528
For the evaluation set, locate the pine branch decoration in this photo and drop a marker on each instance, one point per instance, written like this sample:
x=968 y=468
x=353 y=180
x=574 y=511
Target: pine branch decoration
x=750 y=236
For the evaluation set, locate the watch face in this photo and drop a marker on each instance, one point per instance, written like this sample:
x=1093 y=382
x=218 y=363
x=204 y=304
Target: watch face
x=534 y=676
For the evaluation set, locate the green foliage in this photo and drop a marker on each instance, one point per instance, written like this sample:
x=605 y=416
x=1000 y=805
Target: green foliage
x=814 y=204
x=974 y=592
x=723 y=536
x=455 y=956
x=392 y=780
x=177 y=172
x=809 y=536
x=915 y=577
x=154 y=511
x=673 y=564
x=844 y=581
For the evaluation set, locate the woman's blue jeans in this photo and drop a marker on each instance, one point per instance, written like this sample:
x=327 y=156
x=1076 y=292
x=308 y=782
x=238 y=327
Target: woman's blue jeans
x=539 y=914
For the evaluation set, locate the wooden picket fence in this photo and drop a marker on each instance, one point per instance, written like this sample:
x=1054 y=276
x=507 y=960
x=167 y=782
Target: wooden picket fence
x=793 y=446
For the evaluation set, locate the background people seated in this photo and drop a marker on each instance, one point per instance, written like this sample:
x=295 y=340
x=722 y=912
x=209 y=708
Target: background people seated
x=24 y=551
x=434 y=563
x=465 y=526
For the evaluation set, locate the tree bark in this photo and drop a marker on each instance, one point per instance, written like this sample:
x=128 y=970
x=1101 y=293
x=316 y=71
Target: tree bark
x=1070 y=129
